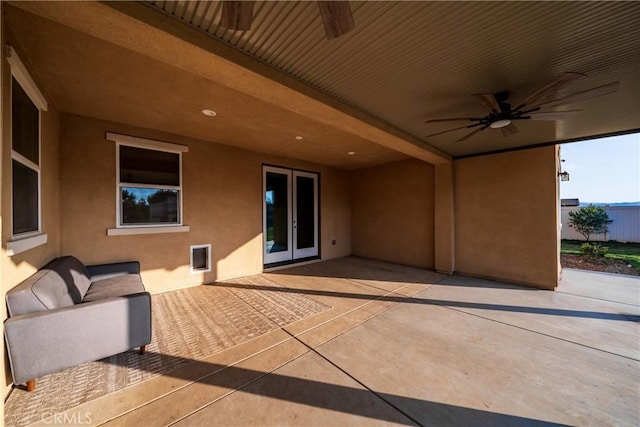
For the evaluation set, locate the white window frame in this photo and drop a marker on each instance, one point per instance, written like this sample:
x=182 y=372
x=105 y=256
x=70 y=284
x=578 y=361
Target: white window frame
x=22 y=242
x=147 y=144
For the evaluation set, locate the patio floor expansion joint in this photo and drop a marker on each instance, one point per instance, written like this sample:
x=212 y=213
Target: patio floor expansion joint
x=248 y=383
x=533 y=331
x=295 y=337
x=291 y=338
x=596 y=299
x=326 y=359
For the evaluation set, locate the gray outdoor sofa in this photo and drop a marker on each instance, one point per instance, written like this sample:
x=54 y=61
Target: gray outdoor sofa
x=67 y=314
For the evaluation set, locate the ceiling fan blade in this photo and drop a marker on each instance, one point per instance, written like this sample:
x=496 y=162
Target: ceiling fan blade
x=549 y=89
x=237 y=15
x=584 y=95
x=469 y=135
x=457 y=119
x=336 y=18
x=553 y=115
x=509 y=130
x=489 y=102
x=448 y=130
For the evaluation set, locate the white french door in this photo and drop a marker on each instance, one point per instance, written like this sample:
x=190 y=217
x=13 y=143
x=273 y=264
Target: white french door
x=290 y=214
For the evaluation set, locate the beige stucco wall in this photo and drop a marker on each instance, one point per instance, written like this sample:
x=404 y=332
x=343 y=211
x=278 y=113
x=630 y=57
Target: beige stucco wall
x=222 y=196
x=506 y=217
x=393 y=213
x=335 y=214
x=16 y=268
x=444 y=218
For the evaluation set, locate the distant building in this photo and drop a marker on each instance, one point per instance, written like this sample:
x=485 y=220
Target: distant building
x=569 y=202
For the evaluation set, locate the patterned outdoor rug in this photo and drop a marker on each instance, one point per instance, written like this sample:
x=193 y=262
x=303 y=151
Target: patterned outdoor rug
x=192 y=323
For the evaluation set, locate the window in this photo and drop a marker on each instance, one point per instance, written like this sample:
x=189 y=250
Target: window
x=25 y=161
x=149 y=187
x=26 y=104
x=26 y=198
x=149 y=183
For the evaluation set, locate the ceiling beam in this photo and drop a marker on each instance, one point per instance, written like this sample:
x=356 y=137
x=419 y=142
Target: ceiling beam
x=141 y=29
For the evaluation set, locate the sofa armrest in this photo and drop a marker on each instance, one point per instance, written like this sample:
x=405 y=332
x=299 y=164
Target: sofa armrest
x=105 y=271
x=45 y=342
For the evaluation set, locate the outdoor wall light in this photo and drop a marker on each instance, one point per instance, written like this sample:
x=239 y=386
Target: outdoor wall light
x=564 y=176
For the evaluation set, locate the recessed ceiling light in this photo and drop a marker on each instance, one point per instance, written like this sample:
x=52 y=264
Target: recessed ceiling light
x=299 y=138
x=351 y=153
x=209 y=113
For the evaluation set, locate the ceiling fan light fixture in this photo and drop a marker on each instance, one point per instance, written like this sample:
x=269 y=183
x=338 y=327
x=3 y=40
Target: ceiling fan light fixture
x=500 y=124
x=500 y=114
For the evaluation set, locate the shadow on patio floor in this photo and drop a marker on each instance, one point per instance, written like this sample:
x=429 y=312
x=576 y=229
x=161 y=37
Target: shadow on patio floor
x=350 y=400
x=448 y=303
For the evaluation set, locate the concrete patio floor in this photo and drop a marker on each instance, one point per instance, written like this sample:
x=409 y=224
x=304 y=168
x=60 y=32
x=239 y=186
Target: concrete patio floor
x=599 y=285
x=406 y=346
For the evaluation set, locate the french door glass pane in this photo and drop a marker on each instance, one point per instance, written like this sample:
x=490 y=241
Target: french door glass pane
x=305 y=212
x=25 y=199
x=277 y=209
x=25 y=124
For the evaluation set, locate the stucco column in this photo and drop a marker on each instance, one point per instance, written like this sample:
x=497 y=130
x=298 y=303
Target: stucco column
x=444 y=219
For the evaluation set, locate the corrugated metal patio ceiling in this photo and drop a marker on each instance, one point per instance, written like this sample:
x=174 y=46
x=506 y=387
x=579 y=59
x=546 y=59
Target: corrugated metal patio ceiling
x=406 y=62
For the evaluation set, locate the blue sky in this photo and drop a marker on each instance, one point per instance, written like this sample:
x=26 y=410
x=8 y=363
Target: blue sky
x=141 y=193
x=602 y=170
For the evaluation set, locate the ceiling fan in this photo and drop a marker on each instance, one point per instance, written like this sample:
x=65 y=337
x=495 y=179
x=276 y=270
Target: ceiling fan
x=501 y=114
x=336 y=16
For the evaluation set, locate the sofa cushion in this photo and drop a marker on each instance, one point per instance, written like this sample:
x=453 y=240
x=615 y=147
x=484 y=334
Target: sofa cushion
x=75 y=276
x=61 y=283
x=114 y=287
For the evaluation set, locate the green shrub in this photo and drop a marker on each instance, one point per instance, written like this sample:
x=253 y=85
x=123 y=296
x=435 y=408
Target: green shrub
x=590 y=220
x=593 y=250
